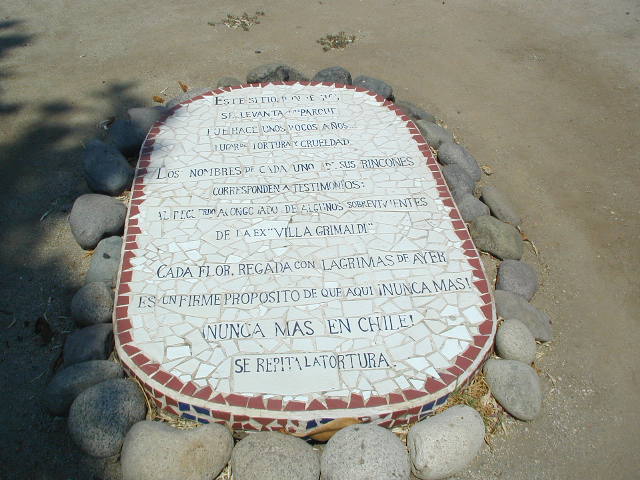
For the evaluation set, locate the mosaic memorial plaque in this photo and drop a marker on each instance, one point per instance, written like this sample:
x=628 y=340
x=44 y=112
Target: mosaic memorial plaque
x=293 y=255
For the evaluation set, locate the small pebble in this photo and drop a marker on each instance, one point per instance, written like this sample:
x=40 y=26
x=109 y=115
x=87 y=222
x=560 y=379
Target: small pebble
x=92 y=304
x=88 y=343
x=514 y=341
x=375 y=85
x=497 y=238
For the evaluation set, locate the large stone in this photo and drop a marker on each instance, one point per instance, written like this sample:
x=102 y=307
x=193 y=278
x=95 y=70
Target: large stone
x=333 y=75
x=415 y=111
x=67 y=384
x=274 y=456
x=92 y=304
x=184 y=96
x=94 y=217
x=498 y=238
x=101 y=416
x=363 y=452
x=450 y=153
x=433 y=133
x=275 y=72
x=500 y=206
x=514 y=341
x=157 y=451
x=375 y=85
x=515 y=386
x=511 y=305
x=89 y=343
x=128 y=134
x=105 y=262
x=471 y=208
x=444 y=444
x=106 y=170
x=458 y=180
x=517 y=277
x=227 y=82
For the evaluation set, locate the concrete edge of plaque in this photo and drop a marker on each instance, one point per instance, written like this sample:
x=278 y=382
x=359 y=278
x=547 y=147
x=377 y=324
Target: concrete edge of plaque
x=460 y=437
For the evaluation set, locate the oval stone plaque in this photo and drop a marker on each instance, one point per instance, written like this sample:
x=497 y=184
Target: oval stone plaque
x=293 y=255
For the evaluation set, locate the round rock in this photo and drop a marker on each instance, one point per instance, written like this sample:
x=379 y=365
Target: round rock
x=333 y=75
x=101 y=416
x=510 y=305
x=433 y=133
x=515 y=386
x=375 y=85
x=89 y=343
x=274 y=456
x=157 y=451
x=227 y=82
x=500 y=206
x=514 y=341
x=184 y=96
x=471 y=208
x=275 y=72
x=92 y=304
x=106 y=170
x=363 y=452
x=444 y=444
x=105 y=261
x=450 y=153
x=517 y=277
x=458 y=180
x=94 y=217
x=67 y=384
x=125 y=137
x=498 y=238
x=415 y=111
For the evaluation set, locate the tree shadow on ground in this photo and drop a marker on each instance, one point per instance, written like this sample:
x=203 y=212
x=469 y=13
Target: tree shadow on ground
x=40 y=177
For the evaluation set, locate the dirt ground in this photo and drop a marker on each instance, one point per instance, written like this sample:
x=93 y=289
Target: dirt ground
x=545 y=93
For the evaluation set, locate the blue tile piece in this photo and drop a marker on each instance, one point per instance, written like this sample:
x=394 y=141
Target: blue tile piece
x=441 y=400
x=327 y=420
x=189 y=416
x=204 y=411
x=184 y=407
x=427 y=407
x=311 y=424
x=203 y=420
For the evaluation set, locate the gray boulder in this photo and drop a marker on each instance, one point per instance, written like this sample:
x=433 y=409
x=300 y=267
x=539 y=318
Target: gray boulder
x=433 y=133
x=94 y=217
x=67 y=384
x=275 y=72
x=333 y=75
x=517 y=277
x=227 y=82
x=101 y=416
x=89 y=343
x=415 y=111
x=511 y=305
x=128 y=134
x=184 y=96
x=444 y=444
x=500 y=206
x=274 y=456
x=106 y=170
x=157 y=451
x=450 y=153
x=471 y=208
x=514 y=341
x=458 y=180
x=496 y=237
x=105 y=262
x=92 y=304
x=515 y=386
x=375 y=85
x=363 y=452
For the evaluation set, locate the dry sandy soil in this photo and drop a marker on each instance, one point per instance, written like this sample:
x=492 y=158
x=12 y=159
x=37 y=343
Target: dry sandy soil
x=545 y=93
